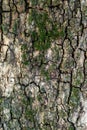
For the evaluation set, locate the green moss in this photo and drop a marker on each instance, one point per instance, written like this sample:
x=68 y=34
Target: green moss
x=21 y=2
x=41 y=46
x=0 y=101
x=62 y=113
x=4 y=28
x=23 y=47
x=45 y=73
x=46 y=31
x=15 y=26
x=43 y=32
x=75 y=98
x=39 y=97
x=71 y=127
x=24 y=55
x=78 y=78
x=25 y=60
x=1 y=105
x=29 y=114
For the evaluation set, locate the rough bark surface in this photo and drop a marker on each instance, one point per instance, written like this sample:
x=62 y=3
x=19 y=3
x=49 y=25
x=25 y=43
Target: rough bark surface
x=45 y=90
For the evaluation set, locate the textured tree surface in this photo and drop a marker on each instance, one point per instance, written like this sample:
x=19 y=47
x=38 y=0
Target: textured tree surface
x=43 y=64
